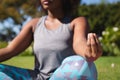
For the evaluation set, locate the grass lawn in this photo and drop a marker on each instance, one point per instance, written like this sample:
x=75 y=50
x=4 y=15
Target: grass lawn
x=108 y=67
x=21 y=61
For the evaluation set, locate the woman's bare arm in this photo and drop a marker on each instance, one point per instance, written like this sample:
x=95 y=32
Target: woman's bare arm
x=84 y=43
x=20 y=42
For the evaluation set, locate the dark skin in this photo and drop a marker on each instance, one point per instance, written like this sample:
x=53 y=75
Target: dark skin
x=84 y=43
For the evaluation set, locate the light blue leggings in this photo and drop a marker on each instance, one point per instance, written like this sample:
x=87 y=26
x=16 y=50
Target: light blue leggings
x=72 y=68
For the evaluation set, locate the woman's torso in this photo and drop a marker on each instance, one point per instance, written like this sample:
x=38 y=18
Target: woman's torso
x=51 y=47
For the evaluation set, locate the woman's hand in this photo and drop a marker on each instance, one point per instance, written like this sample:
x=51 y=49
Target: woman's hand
x=93 y=49
x=84 y=43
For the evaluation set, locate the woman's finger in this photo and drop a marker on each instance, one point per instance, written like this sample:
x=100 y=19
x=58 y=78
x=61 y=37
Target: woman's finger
x=99 y=47
x=96 y=39
x=93 y=45
x=89 y=51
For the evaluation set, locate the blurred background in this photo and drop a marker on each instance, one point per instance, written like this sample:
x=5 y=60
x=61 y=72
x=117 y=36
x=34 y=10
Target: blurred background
x=103 y=17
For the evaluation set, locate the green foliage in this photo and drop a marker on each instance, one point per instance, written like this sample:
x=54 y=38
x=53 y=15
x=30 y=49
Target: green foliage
x=101 y=16
x=7 y=34
x=111 y=41
x=17 y=9
x=3 y=44
x=16 y=12
x=102 y=19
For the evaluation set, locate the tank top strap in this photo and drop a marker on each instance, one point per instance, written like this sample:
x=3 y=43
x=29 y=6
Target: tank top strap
x=68 y=25
x=40 y=21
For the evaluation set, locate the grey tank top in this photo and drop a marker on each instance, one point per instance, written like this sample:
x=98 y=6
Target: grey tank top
x=51 y=47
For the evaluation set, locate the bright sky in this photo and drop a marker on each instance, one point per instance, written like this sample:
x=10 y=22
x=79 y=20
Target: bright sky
x=98 y=1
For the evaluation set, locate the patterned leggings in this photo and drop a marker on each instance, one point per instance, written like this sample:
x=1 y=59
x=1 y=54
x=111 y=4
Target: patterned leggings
x=72 y=68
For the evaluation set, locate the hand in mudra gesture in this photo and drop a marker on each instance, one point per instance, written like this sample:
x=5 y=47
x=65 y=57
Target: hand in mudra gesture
x=94 y=49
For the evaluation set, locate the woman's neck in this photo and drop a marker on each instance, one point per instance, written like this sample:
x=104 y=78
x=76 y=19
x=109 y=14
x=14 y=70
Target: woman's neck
x=55 y=14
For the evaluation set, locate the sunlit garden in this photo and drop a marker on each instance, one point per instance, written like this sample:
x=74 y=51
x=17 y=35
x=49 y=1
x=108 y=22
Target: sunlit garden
x=103 y=18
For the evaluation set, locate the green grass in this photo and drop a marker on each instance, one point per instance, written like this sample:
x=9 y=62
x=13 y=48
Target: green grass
x=21 y=61
x=105 y=69
x=103 y=64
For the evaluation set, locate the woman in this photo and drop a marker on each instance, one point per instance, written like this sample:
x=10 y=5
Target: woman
x=58 y=38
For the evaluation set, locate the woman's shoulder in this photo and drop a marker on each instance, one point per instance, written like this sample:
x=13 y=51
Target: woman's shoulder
x=33 y=22
x=79 y=19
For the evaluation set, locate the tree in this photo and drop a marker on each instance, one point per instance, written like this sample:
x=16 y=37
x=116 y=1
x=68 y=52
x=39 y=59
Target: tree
x=7 y=34
x=101 y=16
x=18 y=11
